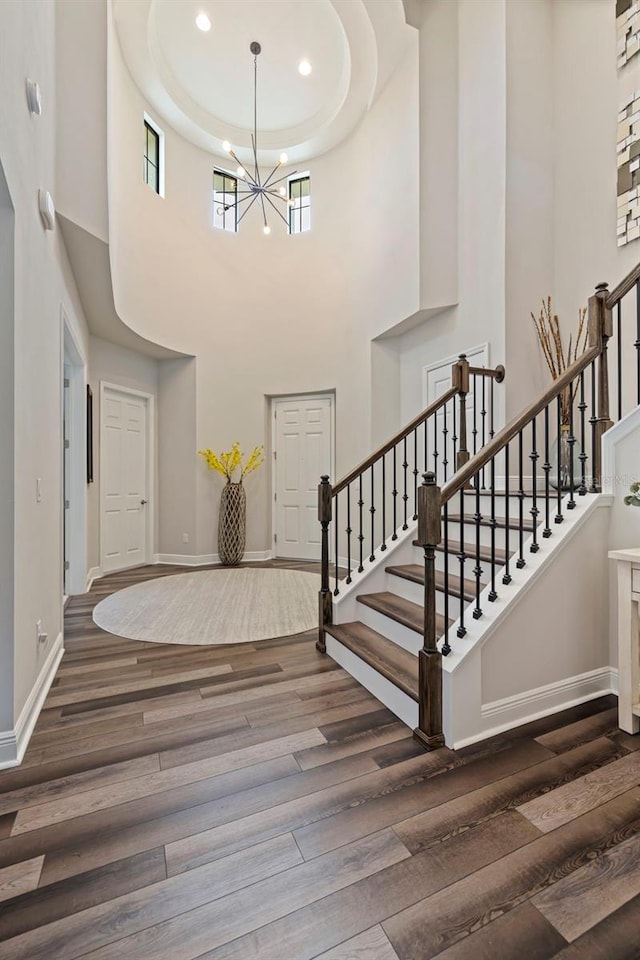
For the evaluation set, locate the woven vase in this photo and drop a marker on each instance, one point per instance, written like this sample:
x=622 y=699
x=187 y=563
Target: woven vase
x=232 y=524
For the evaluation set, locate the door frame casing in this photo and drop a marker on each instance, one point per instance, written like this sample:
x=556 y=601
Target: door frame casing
x=73 y=355
x=150 y=462
x=329 y=395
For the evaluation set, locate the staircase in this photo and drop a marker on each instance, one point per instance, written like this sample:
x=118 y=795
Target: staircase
x=416 y=563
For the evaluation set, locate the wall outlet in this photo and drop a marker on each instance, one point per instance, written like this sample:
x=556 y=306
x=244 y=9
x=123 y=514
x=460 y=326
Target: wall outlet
x=185 y=538
x=41 y=636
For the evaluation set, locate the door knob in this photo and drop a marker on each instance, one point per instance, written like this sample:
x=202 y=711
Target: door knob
x=143 y=502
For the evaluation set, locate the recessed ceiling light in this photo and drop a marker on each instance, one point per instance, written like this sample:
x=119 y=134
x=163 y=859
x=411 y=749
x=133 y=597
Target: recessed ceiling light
x=203 y=22
x=304 y=67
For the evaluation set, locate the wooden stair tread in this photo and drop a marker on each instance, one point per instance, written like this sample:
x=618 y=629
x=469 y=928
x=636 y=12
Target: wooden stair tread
x=415 y=573
x=470 y=550
x=395 y=663
x=485 y=521
x=403 y=611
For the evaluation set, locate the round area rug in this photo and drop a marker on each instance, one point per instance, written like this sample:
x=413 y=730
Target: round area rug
x=238 y=605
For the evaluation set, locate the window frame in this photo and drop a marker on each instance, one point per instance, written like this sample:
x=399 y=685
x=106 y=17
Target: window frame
x=292 y=209
x=228 y=176
x=152 y=126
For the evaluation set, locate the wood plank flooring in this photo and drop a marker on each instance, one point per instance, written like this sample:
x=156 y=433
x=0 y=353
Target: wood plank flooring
x=253 y=802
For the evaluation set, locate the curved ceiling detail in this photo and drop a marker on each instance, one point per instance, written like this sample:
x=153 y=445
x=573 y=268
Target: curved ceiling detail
x=201 y=83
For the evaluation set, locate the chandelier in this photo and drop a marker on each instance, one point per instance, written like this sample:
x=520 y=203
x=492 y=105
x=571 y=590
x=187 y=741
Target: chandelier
x=256 y=190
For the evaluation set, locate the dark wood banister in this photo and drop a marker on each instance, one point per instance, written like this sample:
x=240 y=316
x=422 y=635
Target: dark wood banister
x=390 y=444
x=623 y=288
x=512 y=429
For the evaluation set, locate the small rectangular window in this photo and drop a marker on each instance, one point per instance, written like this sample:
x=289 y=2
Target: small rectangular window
x=152 y=151
x=225 y=201
x=300 y=204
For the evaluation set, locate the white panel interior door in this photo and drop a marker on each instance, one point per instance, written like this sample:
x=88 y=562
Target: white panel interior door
x=303 y=445
x=123 y=480
x=436 y=381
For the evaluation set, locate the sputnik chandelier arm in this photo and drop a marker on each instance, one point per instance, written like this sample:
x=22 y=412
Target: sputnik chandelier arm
x=264 y=193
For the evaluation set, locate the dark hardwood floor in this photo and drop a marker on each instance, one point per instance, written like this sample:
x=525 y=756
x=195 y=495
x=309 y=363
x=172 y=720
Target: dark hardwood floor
x=252 y=801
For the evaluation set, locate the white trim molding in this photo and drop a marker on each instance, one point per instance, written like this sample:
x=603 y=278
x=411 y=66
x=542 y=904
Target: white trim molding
x=543 y=701
x=207 y=559
x=94 y=573
x=13 y=743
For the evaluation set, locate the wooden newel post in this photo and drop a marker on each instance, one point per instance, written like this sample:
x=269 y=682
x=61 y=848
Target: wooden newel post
x=600 y=329
x=460 y=380
x=429 y=729
x=325 y=603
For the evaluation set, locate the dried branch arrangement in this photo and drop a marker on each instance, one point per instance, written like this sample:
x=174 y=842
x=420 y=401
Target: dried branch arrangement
x=558 y=358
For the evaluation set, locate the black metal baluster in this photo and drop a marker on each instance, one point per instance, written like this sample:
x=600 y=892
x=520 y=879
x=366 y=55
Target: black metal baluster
x=571 y=440
x=547 y=470
x=492 y=479
x=558 y=517
x=446 y=647
x=415 y=474
x=435 y=445
x=582 y=456
x=394 y=494
x=372 y=511
x=445 y=433
x=349 y=531
x=506 y=578
x=534 y=456
x=637 y=343
x=520 y=562
x=383 y=545
x=454 y=437
x=477 y=570
x=492 y=431
x=360 y=534
x=405 y=495
x=462 y=558
x=426 y=446
x=593 y=421
x=619 y=345
x=483 y=421
x=474 y=432
x=335 y=558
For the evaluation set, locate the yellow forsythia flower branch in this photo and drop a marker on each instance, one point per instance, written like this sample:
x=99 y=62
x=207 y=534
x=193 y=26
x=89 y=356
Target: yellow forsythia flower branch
x=229 y=461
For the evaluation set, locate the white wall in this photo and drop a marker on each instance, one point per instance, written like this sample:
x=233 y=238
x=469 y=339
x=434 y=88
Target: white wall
x=42 y=285
x=272 y=315
x=481 y=202
x=176 y=443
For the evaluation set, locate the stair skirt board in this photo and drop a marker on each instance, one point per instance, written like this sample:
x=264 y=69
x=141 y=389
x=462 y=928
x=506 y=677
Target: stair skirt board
x=404 y=707
x=540 y=702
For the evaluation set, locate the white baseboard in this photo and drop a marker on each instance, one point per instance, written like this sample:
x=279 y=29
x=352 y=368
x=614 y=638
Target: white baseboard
x=13 y=743
x=542 y=701
x=94 y=573
x=206 y=559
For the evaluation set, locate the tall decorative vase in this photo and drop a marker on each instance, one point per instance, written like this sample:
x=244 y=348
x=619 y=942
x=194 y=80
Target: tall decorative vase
x=564 y=473
x=232 y=524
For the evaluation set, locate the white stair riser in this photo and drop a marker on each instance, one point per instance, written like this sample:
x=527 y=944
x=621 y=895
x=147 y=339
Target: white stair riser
x=404 y=707
x=454 y=565
x=397 y=632
x=415 y=593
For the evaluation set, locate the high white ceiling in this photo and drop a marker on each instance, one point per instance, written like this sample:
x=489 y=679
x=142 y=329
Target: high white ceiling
x=202 y=83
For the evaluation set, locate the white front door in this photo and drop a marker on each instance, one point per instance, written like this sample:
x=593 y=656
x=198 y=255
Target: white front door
x=124 y=486
x=303 y=445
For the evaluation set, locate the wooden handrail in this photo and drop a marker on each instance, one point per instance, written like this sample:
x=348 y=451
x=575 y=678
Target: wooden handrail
x=623 y=288
x=512 y=429
x=390 y=444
